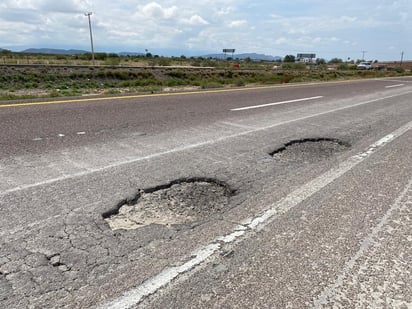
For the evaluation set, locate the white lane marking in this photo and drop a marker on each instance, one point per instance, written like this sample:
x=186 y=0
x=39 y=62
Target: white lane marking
x=81 y=133
x=275 y=103
x=394 y=86
x=237 y=125
x=189 y=146
x=136 y=295
x=60 y=135
x=370 y=241
x=152 y=285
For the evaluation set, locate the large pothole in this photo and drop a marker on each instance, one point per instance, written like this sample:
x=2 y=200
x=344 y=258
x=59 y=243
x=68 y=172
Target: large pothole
x=309 y=149
x=179 y=202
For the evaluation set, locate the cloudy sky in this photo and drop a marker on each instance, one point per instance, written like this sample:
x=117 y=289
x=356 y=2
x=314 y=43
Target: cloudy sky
x=341 y=28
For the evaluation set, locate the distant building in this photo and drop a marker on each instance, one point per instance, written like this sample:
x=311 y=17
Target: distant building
x=306 y=58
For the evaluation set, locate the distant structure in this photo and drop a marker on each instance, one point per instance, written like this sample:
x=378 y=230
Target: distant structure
x=305 y=58
x=229 y=50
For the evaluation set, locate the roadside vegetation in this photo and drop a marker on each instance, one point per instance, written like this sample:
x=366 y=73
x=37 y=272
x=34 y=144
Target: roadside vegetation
x=28 y=76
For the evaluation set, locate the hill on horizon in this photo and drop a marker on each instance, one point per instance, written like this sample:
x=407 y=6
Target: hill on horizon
x=54 y=51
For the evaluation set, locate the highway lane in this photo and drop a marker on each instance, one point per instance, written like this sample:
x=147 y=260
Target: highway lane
x=45 y=127
x=58 y=251
x=69 y=138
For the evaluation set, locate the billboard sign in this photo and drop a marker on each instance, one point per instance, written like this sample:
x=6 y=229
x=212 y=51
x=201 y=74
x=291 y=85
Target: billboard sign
x=306 y=56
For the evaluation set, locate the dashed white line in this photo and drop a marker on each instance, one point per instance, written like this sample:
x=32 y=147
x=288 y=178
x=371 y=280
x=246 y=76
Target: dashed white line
x=275 y=103
x=190 y=146
x=394 y=86
x=202 y=255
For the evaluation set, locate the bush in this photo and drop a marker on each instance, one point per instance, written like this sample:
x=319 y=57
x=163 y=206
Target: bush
x=177 y=74
x=343 y=67
x=400 y=70
x=209 y=85
x=294 y=66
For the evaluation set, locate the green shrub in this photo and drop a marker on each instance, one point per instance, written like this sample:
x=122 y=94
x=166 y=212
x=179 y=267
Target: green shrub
x=399 y=70
x=294 y=66
x=177 y=74
x=210 y=85
x=343 y=67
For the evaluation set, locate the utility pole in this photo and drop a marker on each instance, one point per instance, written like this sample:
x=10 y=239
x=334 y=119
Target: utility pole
x=401 y=58
x=91 y=35
x=363 y=55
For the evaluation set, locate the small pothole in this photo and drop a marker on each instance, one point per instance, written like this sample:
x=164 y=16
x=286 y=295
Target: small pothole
x=179 y=202
x=55 y=261
x=310 y=149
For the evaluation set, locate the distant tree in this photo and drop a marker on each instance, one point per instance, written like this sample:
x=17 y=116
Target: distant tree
x=6 y=52
x=289 y=58
x=100 y=56
x=164 y=61
x=335 y=61
x=86 y=56
x=62 y=57
x=248 y=60
x=320 y=61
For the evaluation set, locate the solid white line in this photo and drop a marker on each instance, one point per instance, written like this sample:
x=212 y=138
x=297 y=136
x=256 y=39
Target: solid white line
x=201 y=256
x=151 y=285
x=89 y=171
x=370 y=241
x=394 y=86
x=275 y=103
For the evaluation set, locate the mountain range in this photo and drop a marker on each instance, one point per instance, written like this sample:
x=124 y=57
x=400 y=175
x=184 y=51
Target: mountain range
x=53 y=51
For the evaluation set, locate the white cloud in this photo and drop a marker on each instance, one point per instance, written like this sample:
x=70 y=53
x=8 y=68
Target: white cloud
x=19 y=4
x=196 y=20
x=225 y=11
x=278 y=27
x=155 y=10
x=67 y=6
x=238 y=24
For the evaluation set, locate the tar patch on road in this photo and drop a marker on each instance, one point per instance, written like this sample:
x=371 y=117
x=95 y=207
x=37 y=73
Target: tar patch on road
x=309 y=149
x=180 y=202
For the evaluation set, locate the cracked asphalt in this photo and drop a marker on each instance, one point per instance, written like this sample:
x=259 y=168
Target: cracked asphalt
x=346 y=245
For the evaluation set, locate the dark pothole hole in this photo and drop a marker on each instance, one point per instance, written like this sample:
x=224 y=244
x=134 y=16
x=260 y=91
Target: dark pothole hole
x=181 y=201
x=310 y=148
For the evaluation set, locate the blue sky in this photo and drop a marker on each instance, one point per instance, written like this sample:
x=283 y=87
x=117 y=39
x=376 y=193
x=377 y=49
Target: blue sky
x=330 y=29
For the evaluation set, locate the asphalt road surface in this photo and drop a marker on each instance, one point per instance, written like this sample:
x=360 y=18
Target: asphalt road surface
x=295 y=196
